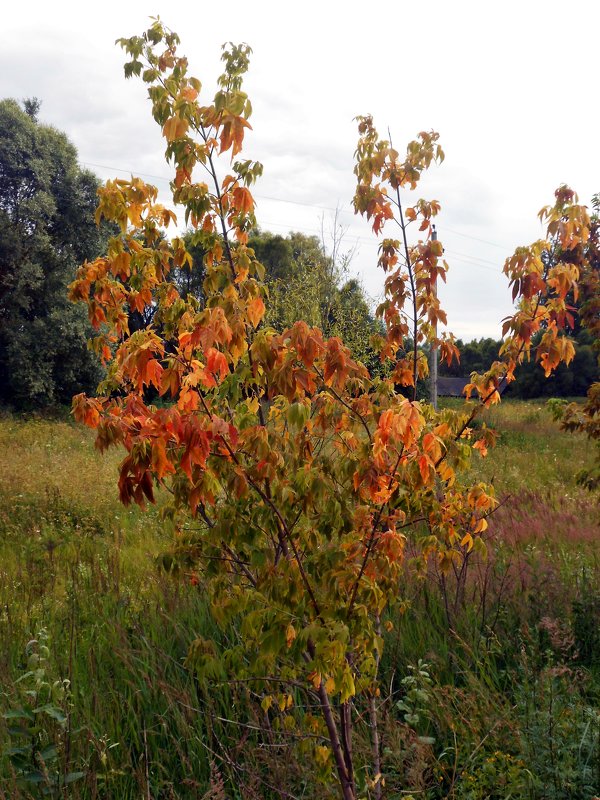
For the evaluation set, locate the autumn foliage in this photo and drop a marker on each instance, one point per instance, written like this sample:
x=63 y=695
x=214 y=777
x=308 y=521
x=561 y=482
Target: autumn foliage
x=300 y=472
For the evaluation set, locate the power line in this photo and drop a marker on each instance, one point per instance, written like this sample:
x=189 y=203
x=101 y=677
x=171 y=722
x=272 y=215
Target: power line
x=128 y=171
x=476 y=261
x=473 y=261
x=260 y=196
x=475 y=238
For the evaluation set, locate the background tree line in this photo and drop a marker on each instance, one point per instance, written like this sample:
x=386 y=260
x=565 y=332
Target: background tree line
x=568 y=381
x=47 y=228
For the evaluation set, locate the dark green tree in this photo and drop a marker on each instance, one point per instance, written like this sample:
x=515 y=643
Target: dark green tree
x=47 y=229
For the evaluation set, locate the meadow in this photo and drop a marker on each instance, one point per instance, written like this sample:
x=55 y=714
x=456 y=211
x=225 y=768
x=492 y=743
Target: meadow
x=493 y=668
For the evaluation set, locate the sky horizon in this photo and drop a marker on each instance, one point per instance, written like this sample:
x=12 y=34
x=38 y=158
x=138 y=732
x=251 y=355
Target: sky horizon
x=508 y=88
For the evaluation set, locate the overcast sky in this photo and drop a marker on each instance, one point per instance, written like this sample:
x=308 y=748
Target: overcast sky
x=511 y=87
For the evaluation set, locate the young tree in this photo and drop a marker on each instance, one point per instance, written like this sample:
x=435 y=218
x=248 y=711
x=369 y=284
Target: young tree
x=302 y=471
x=46 y=229
x=584 y=261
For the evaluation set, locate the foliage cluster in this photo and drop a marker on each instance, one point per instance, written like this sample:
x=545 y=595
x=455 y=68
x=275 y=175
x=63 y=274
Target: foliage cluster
x=303 y=282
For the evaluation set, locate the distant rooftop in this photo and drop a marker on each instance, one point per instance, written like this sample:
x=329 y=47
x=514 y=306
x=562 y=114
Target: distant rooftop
x=451 y=387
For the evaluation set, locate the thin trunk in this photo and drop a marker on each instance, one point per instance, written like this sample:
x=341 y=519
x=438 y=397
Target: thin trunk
x=413 y=290
x=346 y=725
x=346 y=780
x=375 y=747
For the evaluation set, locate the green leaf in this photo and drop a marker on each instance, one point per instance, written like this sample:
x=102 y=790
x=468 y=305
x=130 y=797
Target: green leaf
x=49 y=753
x=19 y=713
x=150 y=75
x=35 y=777
x=19 y=730
x=74 y=776
x=53 y=712
x=11 y=752
x=297 y=415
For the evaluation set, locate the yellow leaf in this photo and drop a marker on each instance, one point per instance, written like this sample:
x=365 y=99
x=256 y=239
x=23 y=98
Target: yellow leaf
x=481 y=526
x=175 y=128
x=467 y=540
x=266 y=702
x=290 y=635
x=315 y=679
x=322 y=755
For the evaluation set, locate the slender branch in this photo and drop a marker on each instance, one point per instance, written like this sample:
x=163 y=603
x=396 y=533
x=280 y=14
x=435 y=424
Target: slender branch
x=231 y=553
x=260 y=729
x=201 y=131
x=371 y=541
x=346 y=731
x=341 y=400
x=284 y=528
x=338 y=754
x=412 y=281
x=413 y=292
x=221 y=211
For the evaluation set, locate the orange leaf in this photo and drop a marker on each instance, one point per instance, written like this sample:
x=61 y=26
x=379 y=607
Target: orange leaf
x=255 y=311
x=216 y=363
x=243 y=200
x=160 y=462
x=189 y=93
x=481 y=446
x=424 y=468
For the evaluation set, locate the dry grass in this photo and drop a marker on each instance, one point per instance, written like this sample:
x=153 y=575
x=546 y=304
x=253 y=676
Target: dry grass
x=39 y=455
x=532 y=454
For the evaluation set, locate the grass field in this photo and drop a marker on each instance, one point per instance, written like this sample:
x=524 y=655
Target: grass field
x=506 y=692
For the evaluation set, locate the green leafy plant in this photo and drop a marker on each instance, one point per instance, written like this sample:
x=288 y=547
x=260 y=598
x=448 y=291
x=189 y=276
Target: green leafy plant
x=38 y=725
x=417 y=697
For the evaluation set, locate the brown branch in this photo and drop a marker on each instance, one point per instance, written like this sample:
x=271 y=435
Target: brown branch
x=371 y=541
x=412 y=283
x=341 y=400
x=231 y=553
x=346 y=731
x=413 y=293
x=284 y=528
x=346 y=780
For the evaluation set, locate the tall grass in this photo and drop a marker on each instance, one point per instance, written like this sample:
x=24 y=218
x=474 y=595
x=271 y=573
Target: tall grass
x=510 y=642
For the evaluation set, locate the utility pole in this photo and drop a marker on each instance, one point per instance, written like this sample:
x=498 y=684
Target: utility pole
x=433 y=353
